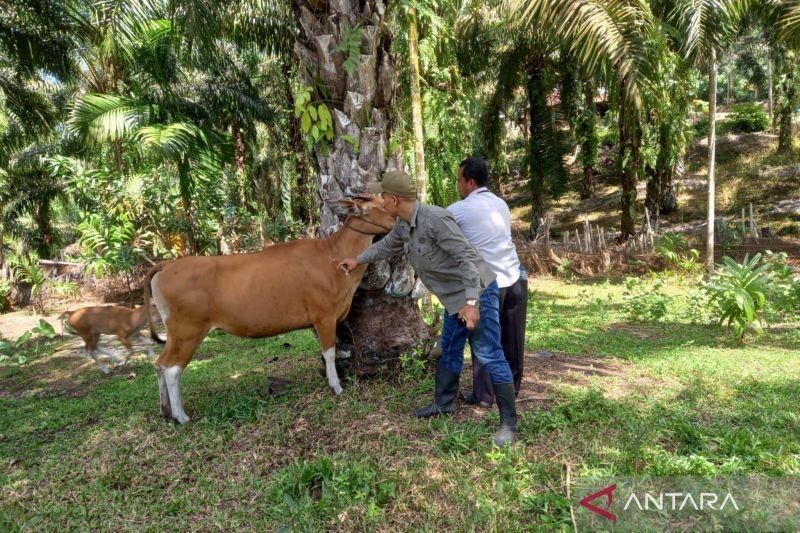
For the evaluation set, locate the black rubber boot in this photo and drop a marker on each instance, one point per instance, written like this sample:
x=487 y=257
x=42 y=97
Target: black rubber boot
x=506 y=402
x=444 y=396
x=470 y=399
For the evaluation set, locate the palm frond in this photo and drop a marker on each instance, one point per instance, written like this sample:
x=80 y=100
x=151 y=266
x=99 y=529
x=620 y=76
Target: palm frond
x=103 y=118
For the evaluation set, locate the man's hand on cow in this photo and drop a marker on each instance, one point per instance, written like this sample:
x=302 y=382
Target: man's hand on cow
x=470 y=316
x=346 y=265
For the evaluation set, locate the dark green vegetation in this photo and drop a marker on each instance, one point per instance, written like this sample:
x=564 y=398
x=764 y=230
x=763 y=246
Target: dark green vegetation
x=621 y=397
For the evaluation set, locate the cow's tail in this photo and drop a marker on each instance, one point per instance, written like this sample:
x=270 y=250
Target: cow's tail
x=65 y=326
x=147 y=300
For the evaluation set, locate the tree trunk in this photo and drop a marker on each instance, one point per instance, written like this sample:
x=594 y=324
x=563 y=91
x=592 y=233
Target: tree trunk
x=240 y=147
x=629 y=165
x=361 y=104
x=769 y=86
x=416 y=104
x=731 y=94
x=668 y=197
x=539 y=117
x=712 y=142
x=590 y=143
x=787 y=103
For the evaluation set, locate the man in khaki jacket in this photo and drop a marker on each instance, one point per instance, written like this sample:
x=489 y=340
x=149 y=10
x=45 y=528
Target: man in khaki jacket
x=452 y=270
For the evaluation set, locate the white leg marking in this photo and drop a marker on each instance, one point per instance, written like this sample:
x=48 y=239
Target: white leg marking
x=101 y=350
x=343 y=354
x=163 y=393
x=158 y=299
x=330 y=370
x=172 y=377
x=103 y=367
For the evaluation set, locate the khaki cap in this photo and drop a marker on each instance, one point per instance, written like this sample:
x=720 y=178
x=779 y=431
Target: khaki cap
x=395 y=182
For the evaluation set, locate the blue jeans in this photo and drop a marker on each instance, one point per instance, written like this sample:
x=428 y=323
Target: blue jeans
x=484 y=339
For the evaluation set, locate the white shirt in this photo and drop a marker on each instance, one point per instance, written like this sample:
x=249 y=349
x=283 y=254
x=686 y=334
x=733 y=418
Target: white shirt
x=486 y=222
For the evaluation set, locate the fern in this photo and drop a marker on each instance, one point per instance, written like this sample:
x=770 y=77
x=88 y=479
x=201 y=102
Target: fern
x=350 y=46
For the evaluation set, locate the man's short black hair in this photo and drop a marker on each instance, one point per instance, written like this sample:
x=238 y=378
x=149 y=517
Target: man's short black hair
x=474 y=168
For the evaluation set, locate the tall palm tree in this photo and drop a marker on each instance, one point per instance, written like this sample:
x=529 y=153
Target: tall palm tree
x=350 y=75
x=708 y=26
x=601 y=33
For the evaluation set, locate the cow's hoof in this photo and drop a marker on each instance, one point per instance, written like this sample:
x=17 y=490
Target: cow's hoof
x=338 y=390
x=181 y=419
x=105 y=370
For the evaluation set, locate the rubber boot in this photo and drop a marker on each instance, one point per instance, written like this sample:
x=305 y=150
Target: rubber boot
x=444 y=396
x=505 y=395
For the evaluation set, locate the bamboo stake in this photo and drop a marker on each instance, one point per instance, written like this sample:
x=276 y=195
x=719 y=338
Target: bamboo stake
x=753 y=232
x=578 y=239
x=744 y=222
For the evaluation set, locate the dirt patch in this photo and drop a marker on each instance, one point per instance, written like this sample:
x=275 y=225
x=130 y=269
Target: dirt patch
x=544 y=375
x=66 y=372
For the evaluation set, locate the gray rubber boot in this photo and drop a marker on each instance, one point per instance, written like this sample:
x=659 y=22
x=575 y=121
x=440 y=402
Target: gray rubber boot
x=505 y=395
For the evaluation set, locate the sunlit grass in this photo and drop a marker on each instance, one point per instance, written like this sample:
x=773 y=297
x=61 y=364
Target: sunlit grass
x=684 y=399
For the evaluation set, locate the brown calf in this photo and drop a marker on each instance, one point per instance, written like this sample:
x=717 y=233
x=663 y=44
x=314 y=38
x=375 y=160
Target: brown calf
x=91 y=322
x=284 y=287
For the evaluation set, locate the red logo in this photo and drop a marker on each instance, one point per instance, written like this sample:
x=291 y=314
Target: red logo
x=608 y=492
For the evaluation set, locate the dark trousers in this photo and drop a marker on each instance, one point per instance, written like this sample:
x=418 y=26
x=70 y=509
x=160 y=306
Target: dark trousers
x=513 y=308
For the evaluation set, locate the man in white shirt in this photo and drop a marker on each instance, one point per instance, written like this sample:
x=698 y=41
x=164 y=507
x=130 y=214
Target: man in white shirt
x=486 y=222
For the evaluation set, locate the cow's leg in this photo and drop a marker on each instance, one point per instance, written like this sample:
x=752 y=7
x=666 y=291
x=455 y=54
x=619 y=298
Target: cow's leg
x=102 y=350
x=93 y=354
x=326 y=330
x=172 y=377
x=163 y=393
x=92 y=342
x=176 y=355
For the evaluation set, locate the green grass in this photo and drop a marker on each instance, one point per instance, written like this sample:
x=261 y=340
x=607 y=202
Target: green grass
x=81 y=450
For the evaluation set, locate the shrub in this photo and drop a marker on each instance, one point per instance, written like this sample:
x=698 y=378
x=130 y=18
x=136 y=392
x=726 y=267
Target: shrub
x=748 y=118
x=676 y=252
x=645 y=303
x=5 y=294
x=25 y=270
x=740 y=291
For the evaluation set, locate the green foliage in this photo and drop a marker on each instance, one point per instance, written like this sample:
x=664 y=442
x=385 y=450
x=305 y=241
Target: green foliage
x=676 y=252
x=587 y=134
x=740 y=291
x=350 y=46
x=10 y=352
x=321 y=489
x=728 y=234
x=785 y=298
x=25 y=270
x=64 y=288
x=645 y=302
x=6 y=286
x=749 y=117
x=112 y=246
x=315 y=118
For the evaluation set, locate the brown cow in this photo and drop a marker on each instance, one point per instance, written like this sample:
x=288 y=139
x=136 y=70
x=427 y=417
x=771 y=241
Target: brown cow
x=284 y=287
x=91 y=322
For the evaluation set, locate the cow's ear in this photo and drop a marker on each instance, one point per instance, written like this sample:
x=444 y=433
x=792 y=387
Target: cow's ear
x=343 y=206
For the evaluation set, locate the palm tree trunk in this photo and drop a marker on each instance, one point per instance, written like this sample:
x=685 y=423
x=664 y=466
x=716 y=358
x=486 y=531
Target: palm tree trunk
x=240 y=147
x=539 y=117
x=769 y=85
x=361 y=103
x=589 y=144
x=629 y=163
x=731 y=94
x=416 y=103
x=712 y=143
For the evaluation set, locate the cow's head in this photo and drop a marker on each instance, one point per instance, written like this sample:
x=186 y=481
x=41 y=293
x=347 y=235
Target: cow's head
x=366 y=207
